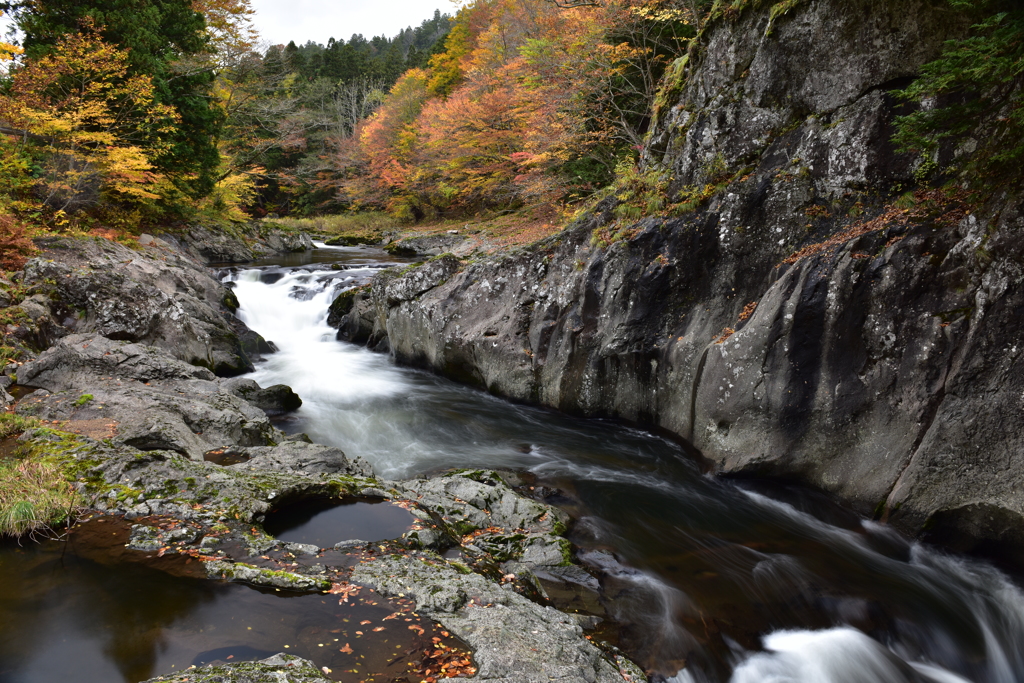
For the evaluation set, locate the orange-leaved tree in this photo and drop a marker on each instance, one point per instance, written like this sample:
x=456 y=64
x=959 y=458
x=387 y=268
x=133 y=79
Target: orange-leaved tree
x=388 y=144
x=530 y=103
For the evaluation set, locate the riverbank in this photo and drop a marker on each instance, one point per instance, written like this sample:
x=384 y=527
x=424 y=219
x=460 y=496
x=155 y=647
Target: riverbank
x=131 y=353
x=475 y=235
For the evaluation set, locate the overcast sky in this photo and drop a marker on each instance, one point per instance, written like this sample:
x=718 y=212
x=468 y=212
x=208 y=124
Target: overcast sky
x=279 y=21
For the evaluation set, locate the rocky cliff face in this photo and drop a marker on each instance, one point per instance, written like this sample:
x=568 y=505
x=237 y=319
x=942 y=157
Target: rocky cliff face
x=154 y=295
x=802 y=322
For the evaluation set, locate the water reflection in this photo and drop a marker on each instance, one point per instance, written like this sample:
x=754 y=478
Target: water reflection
x=91 y=611
x=325 y=523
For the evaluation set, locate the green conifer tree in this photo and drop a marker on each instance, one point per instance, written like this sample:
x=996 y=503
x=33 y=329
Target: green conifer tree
x=161 y=36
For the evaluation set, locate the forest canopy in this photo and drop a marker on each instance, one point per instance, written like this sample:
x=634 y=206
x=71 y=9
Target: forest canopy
x=123 y=114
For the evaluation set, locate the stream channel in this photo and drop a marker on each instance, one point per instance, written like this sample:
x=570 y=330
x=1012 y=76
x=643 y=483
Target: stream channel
x=698 y=578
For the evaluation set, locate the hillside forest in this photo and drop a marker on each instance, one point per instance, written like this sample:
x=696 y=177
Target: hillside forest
x=118 y=116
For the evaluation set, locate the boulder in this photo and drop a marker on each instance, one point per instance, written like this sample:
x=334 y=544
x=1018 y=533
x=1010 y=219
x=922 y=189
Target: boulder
x=218 y=246
x=156 y=296
x=303 y=458
x=140 y=396
x=283 y=242
x=274 y=400
x=428 y=245
x=79 y=359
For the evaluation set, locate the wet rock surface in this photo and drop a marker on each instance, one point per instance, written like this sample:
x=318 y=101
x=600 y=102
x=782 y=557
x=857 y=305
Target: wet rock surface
x=800 y=323
x=490 y=618
x=156 y=296
x=212 y=513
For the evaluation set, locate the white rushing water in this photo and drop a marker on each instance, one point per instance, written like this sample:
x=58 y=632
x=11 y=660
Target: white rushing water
x=843 y=602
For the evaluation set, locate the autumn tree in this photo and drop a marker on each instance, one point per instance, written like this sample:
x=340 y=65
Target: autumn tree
x=388 y=142
x=530 y=102
x=8 y=51
x=229 y=29
x=97 y=128
x=157 y=37
x=289 y=110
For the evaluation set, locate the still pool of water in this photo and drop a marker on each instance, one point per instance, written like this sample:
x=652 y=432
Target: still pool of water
x=91 y=611
x=327 y=522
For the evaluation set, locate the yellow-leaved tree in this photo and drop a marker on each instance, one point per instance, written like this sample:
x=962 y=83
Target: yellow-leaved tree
x=8 y=51
x=94 y=128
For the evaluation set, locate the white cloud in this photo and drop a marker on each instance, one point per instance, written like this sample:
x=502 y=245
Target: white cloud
x=279 y=21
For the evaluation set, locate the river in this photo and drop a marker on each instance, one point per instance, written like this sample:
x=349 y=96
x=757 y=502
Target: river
x=701 y=578
x=696 y=577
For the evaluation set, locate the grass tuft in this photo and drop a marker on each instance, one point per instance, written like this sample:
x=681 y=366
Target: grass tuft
x=12 y=424
x=35 y=498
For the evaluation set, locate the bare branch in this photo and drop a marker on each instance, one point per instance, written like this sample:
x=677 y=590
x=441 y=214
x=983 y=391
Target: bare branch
x=570 y=4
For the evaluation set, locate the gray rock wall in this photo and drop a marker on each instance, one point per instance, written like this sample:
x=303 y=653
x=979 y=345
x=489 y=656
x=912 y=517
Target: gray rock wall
x=881 y=368
x=155 y=295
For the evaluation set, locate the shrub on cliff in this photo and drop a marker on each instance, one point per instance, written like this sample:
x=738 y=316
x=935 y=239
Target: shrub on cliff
x=15 y=246
x=972 y=116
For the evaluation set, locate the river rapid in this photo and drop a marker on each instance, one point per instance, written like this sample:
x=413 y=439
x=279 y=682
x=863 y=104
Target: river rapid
x=701 y=579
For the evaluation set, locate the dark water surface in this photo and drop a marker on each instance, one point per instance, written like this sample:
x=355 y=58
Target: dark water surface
x=327 y=522
x=90 y=611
